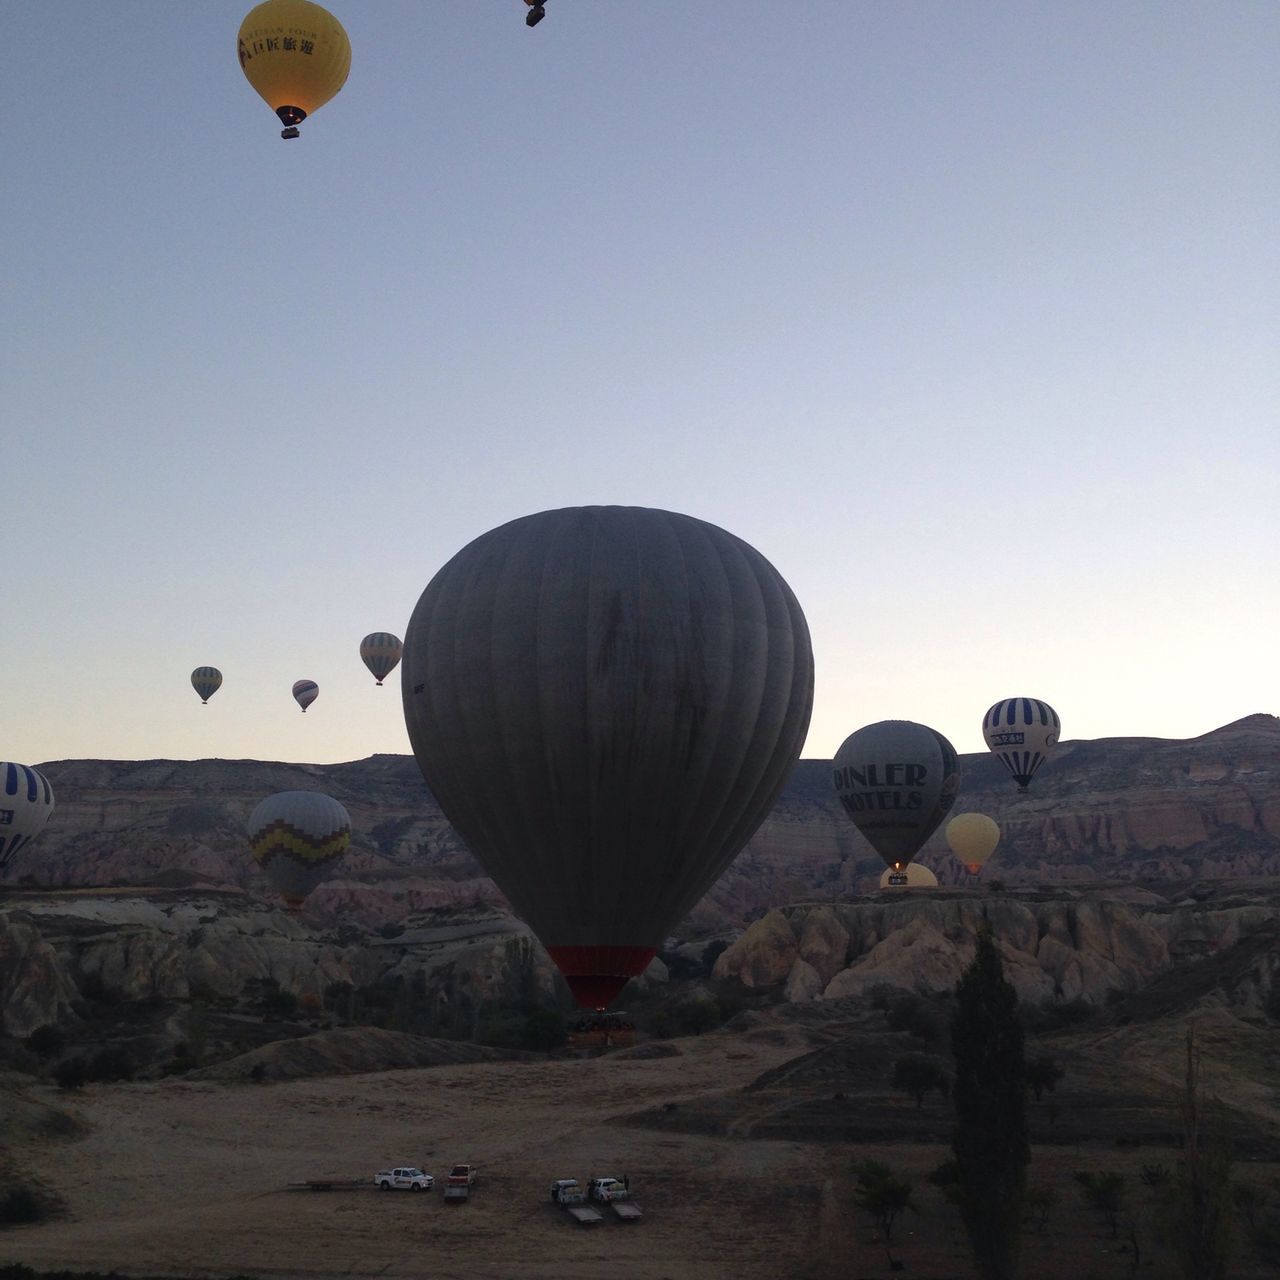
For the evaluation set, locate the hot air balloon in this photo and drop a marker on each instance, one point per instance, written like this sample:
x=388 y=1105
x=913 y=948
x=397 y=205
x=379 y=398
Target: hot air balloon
x=206 y=681
x=305 y=692
x=913 y=876
x=296 y=837
x=896 y=780
x=380 y=652
x=606 y=702
x=973 y=838
x=1023 y=732
x=296 y=55
x=26 y=804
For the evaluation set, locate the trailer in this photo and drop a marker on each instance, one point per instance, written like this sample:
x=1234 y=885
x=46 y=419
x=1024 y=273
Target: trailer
x=584 y=1214
x=627 y=1210
x=331 y=1184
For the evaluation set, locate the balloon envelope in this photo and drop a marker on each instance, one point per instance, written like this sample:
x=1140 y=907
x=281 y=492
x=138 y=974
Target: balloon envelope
x=897 y=780
x=914 y=875
x=305 y=692
x=606 y=701
x=296 y=837
x=973 y=838
x=380 y=651
x=295 y=54
x=1023 y=732
x=206 y=681
x=26 y=805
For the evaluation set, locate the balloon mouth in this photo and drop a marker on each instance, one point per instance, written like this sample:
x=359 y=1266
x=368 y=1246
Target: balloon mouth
x=596 y=975
x=973 y=867
x=289 y=116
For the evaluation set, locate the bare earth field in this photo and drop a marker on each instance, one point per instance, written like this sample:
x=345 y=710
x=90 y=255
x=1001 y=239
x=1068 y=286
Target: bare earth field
x=185 y=1178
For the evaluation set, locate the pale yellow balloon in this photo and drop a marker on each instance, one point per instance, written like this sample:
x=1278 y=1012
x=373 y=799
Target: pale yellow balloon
x=973 y=838
x=295 y=54
x=918 y=877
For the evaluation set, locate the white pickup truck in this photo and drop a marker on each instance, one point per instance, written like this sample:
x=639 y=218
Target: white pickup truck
x=406 y=1178
x=606 y=1190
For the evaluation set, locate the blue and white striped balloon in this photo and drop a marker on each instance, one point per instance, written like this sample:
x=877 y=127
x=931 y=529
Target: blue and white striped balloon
x=1023 y=732
x=26 y=803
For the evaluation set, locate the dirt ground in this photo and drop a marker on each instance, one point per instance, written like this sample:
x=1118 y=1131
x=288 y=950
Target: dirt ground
x=184 y=1178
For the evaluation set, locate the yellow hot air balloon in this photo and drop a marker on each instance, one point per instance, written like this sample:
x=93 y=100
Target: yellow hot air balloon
x=913 y=876
x=296 y=55
x=973 y=838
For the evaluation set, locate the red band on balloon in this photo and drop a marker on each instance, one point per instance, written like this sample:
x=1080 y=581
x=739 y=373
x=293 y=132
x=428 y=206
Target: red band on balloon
x=597 y=974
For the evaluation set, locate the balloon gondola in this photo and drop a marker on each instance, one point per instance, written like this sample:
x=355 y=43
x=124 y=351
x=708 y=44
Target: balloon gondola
x=606 y=702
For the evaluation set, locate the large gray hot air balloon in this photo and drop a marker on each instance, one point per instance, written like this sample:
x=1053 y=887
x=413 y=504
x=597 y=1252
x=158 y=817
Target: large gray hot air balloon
x=606 y=702
x=896 y=780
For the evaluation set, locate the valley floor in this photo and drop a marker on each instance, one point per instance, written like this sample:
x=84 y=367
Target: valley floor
x=186 y=1178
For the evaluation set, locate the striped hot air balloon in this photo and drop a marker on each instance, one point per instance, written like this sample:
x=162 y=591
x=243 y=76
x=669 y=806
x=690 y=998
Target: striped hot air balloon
x=380 y=651
x=206 y=681
x=305 y=692
x=1023 y=732
x=296 y=837
x=26 y=804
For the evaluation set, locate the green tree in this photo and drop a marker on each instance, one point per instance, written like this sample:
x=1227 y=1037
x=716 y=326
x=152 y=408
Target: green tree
x=884 y=1196
x=47 y=1041
x=1201 y=1197
x=1104 y=1193
x=919 y=1074
x=989 y=1089
x=1043 y=1074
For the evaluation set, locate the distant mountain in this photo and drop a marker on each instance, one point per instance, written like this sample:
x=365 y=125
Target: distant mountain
x=1113 y=808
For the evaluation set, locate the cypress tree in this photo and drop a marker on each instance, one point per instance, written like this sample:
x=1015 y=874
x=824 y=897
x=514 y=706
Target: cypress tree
x=991 y=1145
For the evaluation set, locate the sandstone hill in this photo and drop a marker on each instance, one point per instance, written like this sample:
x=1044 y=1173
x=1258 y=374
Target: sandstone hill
x=1111 y=809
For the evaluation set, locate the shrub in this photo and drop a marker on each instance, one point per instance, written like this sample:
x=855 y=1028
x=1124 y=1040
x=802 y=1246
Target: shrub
x=110 y=1064
x=1103 y=1193
x=47 y=1041
x=919 y=1074
x=70 y=1074
x=20 y=1205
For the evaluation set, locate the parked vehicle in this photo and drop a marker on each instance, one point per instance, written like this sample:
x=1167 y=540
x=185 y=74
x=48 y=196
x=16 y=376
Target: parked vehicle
x=608 y=1189
x=568 y=1191
x=457 y=1186
x=406 y=1178
x=467 y=1172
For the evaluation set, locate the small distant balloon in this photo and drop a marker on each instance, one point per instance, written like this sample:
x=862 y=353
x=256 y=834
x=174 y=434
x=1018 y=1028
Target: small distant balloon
x=296 y=837
x=380 y=651
x=973 y=838
x=1024 y=733
x=26 y=805
x=897 y=780
x=305 y=692
x=206 y=681
x=296 y=55
x=914 y=875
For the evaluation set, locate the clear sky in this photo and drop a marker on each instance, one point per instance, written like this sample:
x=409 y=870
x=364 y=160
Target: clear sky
x=966 y=315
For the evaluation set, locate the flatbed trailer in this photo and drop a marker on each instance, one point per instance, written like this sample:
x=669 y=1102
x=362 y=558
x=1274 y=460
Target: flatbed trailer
x=332 y=1184
x=627 y=1210
x=584 y=1214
